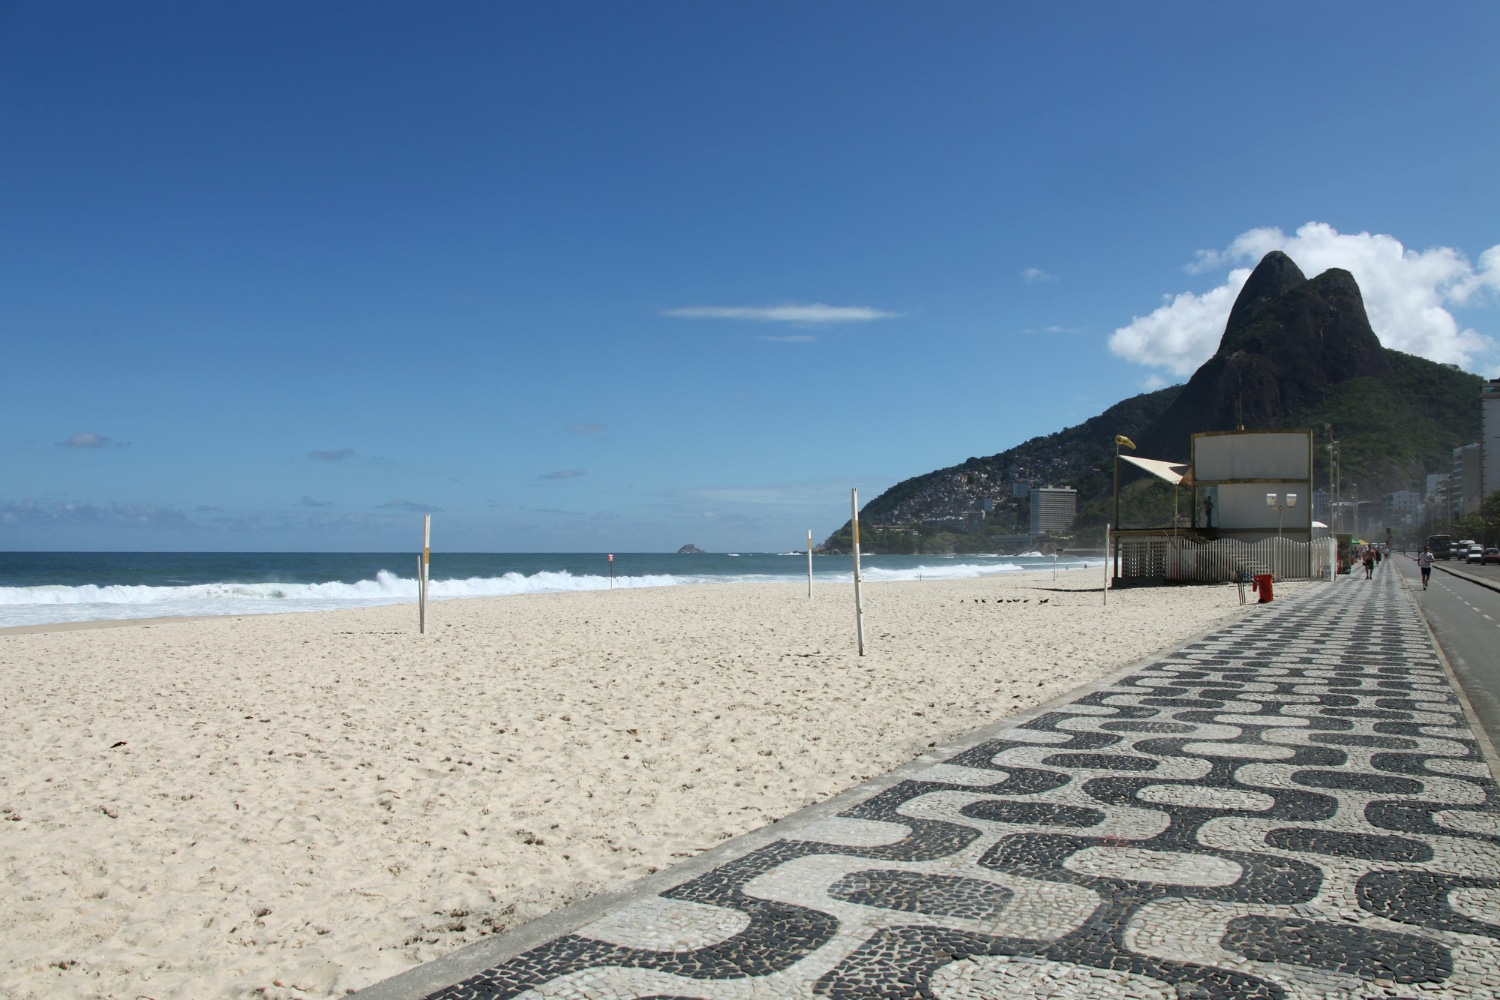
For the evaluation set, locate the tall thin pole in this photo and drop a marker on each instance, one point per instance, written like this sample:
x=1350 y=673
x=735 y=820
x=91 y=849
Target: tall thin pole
x=421 y=601
x=809 y=562
x=1333 y=529
x=1279 y=511
x=425 y=566
x=1116 y=555
x=1106 y=567
x=1338 y=488
x=859 y=607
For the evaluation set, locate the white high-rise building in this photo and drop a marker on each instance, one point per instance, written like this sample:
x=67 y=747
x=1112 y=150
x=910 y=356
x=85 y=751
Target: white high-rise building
x=1465 y=482
x=1053 y=509
x=1489 y=402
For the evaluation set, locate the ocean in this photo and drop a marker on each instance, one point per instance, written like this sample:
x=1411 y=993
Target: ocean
x=38 y=588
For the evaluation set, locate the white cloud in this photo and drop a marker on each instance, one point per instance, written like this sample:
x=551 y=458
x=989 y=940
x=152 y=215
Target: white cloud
x=1036 y=276
x=410 y=506
x=790 y=338
x=1407 y=295
x=31 y=513
x=817 y=312
x=1182 y=333
x=85 y=440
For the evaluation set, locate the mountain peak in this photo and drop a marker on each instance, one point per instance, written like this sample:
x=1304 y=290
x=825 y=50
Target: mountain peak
x=1288 y=342
x=1273 y=277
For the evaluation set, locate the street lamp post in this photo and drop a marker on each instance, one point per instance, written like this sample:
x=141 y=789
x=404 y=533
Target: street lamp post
x=1275 y=500
x=1332 y=480
x=1120 y=439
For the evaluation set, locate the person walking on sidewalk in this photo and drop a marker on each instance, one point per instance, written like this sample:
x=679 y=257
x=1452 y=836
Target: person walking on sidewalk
x=1424 y=560
x=1369 y=562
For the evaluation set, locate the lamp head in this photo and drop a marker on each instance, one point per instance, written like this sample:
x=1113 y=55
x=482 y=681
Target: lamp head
x=1291 y=499
x=1121 y=439
x=1270 y=499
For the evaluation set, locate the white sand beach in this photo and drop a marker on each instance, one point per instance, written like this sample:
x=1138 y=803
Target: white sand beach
x=302 y=805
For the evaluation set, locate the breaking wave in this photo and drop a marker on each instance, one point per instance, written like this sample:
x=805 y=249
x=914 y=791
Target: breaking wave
x=48 y=604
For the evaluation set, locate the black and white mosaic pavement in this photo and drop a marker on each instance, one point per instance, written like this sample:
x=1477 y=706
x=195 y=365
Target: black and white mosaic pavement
x=1292 y=807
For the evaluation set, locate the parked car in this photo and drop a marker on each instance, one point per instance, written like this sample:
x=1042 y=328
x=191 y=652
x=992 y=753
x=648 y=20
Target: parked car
x=1491 y=556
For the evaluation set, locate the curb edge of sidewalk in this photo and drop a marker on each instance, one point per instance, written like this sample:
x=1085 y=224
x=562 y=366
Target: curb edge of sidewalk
x=1491 y=758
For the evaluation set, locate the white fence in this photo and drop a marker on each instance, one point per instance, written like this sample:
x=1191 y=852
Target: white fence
x=1173 y=557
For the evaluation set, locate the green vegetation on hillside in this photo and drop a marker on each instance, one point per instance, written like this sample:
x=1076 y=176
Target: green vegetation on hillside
x=1081 y=456
x=1393 y=430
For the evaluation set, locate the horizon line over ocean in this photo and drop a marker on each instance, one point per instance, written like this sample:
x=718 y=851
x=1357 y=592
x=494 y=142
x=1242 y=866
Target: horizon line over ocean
x=40 y=588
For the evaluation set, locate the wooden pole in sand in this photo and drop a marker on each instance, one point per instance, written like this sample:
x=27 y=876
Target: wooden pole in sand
x=1106 y=565
x=859 y=608
x=426 y=565
x=809 y=562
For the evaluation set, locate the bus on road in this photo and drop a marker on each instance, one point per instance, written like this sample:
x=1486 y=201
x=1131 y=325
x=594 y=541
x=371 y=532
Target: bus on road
x=1441 y=546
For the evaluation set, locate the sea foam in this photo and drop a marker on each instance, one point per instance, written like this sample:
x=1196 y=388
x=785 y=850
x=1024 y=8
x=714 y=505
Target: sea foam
x=47 y=604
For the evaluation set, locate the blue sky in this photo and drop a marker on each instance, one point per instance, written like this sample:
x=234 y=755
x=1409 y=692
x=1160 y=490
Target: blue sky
x=625 y=276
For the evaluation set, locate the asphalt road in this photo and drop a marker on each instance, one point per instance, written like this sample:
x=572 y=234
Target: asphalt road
x=1490 y=572
x=1465 y=617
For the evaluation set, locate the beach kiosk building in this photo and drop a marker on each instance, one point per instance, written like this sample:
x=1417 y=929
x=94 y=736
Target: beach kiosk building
x=1251 y=512
x=1234 y=472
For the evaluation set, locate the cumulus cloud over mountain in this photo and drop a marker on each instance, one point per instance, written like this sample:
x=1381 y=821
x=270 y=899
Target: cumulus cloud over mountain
x=1408 y=295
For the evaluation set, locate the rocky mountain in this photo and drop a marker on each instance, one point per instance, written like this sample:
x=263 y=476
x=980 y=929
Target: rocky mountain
x=1288 y=342
x=1296 y=352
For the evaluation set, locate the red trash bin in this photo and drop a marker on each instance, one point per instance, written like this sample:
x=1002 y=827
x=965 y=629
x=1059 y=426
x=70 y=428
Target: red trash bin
x=1263 y=586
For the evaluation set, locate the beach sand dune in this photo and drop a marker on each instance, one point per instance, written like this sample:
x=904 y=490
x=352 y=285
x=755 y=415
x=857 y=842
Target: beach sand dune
x=302 y=805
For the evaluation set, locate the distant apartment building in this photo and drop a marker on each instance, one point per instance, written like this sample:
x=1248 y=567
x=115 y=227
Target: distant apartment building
x=1465 y=483
x=1053 y=509
x=1437 y=483
x=1489 y=402
x=1020 y=488
x=1403 y=508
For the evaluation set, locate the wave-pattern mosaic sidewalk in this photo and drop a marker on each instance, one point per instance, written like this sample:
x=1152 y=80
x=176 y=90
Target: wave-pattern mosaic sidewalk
x=1292 y=807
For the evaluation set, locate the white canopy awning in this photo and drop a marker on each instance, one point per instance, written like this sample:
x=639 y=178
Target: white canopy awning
x=1158 y=468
